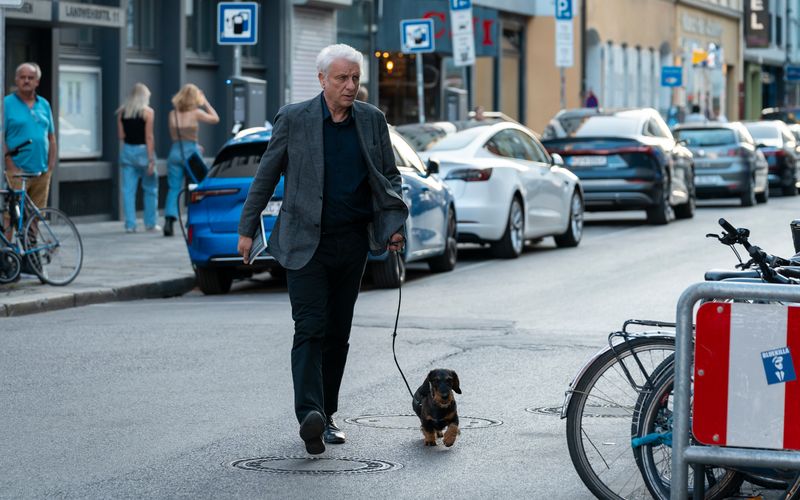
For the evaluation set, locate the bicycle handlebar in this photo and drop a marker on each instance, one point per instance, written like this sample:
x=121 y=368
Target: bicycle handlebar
x=767 y=263
x=14 y=152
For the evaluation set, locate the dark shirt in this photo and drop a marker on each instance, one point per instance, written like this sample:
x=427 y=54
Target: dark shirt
x=347 y=198
x=134 y=130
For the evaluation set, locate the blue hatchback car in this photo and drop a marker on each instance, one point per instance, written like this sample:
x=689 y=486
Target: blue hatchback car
x=215 y=205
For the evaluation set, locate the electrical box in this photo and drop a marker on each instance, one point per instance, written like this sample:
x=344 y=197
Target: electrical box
x=455 y=104
x=247 y=103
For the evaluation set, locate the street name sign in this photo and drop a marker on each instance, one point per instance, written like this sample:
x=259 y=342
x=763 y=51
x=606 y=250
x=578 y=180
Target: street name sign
x=671 y=76
x=237 y=23
x=416 y=36
x=16 y=3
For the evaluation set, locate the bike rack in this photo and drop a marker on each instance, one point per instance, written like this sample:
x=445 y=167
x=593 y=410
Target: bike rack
x=683 y=453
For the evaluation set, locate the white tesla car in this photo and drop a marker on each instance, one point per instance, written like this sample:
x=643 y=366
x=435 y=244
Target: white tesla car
x=508 y=188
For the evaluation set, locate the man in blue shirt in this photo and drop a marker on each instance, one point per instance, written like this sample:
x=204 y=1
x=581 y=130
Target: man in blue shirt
x=27 y=116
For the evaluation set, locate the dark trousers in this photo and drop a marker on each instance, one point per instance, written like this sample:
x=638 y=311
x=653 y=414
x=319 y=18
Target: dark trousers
x=323 y=294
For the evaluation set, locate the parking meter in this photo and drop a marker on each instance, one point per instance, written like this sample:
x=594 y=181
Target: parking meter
x=247 y=102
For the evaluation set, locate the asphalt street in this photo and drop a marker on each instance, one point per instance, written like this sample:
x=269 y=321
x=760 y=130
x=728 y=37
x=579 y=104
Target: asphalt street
x=183 y=397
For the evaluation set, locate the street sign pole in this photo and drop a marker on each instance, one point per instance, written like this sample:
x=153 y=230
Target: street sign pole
x=564 y=44
x=3 y=86
x=420 y=89
x=237 y=60
x=563 y=88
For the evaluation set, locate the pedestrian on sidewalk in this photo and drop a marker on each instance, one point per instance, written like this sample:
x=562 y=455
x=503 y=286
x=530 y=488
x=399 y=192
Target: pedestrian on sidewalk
x=138 y=157
x=27 y=116
x=342 y=198
x=191 y=108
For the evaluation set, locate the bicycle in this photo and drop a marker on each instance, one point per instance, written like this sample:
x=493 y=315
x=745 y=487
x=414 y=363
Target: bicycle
x=44 y=240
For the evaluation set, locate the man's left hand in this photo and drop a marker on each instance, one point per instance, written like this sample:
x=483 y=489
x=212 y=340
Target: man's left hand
x=396 y=242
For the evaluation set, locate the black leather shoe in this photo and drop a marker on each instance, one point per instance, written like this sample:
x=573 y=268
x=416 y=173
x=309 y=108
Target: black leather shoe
x=168 y=222
x=311 y=432
x=333 y=434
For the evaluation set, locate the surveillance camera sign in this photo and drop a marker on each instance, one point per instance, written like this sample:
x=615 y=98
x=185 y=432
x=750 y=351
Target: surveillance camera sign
x=237 y=23
x=416 y=35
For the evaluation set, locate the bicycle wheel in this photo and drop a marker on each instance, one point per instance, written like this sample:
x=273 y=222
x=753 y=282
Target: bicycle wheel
x=653 y=418
x=10 y=265
x=600 y=411
x=53 y=247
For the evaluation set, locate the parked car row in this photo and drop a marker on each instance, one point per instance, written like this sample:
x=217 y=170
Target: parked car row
x=494 y=182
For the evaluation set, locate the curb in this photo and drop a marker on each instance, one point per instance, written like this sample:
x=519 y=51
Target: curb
x=55 y=300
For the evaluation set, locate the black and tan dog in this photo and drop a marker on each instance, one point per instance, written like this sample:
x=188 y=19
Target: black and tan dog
x=435 y=406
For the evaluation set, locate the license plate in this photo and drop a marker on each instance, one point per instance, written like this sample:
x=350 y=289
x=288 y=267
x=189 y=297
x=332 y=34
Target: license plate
x=587 y=161
x=706 y=180
x=273 y=208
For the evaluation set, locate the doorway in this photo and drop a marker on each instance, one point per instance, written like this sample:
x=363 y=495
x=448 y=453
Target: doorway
x=29 y=44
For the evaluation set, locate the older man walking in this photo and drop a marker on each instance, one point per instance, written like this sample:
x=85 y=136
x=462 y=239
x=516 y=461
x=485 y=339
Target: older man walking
x=342 y=199
x=27 y=116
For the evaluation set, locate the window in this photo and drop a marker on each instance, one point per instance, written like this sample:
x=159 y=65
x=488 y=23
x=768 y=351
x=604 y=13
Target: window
x=410 y=157
x=507 y=143
x=200 y=27
x=141 y=25
x=80 y=132
x=238 y=161
x=536 y=151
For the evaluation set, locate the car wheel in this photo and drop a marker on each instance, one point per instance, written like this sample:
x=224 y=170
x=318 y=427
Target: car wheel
x=213 y=281
x=763 y=196
x=511 y=244
x=389 y=273
x=686 y=211
x=661 y=212
x=447 y=261
x=789 y=187
x=749 y=193
x=572 y=236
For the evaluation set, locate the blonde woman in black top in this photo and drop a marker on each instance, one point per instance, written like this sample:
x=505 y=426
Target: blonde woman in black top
x=138 y=157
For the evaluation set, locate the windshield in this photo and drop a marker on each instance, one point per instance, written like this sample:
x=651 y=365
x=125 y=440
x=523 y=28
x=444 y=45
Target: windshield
x=240 y=160
x=763 y=131
x=424 y=135
x=458 y=140
x=608 y=126
x=705 y=137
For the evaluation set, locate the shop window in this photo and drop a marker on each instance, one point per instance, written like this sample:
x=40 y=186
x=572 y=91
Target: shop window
x=141 y=25
x=80 y=118
x=201 y=18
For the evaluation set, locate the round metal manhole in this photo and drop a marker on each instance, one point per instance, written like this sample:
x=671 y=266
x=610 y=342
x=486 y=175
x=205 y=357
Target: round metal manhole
x=589 y=411
x=315 y=465
x=545 y=410
x=412 y=422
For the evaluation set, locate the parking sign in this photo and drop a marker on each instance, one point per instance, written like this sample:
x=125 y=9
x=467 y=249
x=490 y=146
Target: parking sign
x=416 y=35
x=237 y=23
x=564 y=10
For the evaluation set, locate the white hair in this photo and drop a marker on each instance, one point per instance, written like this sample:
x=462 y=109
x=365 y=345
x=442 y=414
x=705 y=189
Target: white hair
x=330 y=53
x=137 y=102
x=34 y=66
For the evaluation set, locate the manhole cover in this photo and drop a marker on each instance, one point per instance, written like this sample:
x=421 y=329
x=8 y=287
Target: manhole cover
x=590 y=411
x=315 y=466
x=546 y=410
x=412 y=422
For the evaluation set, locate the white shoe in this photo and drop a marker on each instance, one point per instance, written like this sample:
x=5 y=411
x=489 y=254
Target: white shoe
x=153 y=229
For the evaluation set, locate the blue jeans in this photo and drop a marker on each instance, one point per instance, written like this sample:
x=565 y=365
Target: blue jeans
x=133 y=159
x=175 y=173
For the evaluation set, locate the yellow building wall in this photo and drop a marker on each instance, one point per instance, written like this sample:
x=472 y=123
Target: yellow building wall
x=542 y=81
x=646 y=23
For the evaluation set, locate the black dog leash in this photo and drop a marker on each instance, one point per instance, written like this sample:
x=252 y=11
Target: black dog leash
x=396 y=320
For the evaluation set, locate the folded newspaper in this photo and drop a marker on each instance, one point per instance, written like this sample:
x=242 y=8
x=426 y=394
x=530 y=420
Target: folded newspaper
x=260 y=238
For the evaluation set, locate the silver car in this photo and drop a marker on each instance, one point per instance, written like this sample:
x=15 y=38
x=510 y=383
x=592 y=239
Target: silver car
x=727 y=162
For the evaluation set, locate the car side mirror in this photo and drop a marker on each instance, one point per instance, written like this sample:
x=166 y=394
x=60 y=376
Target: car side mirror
x=433 y=166
x=558 y=161
x=682 y=142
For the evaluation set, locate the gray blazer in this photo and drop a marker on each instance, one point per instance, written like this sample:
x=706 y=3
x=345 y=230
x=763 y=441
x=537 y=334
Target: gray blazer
x=296 y=150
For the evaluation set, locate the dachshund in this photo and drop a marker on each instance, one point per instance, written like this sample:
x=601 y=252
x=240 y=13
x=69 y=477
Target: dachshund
x=435 y=406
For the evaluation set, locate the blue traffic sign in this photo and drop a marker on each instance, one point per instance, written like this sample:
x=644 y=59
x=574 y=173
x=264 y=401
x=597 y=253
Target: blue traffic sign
x=416 y=35
x=793 y=73
x=564 y=10
x=671 y=76
x=237 y=23
x=460 y=4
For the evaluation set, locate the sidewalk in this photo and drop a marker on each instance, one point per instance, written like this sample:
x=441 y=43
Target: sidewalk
x=116 y=266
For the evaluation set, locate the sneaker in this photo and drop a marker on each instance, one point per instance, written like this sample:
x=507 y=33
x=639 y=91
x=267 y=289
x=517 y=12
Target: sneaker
x=130 y=229
x=153 y=229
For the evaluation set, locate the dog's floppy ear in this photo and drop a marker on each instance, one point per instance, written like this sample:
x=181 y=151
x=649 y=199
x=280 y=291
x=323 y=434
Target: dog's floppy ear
x=431 y=376
x=456 y=386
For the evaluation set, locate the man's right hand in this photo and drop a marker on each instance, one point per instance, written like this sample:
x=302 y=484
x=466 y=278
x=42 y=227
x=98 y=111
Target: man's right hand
x=244 y=246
